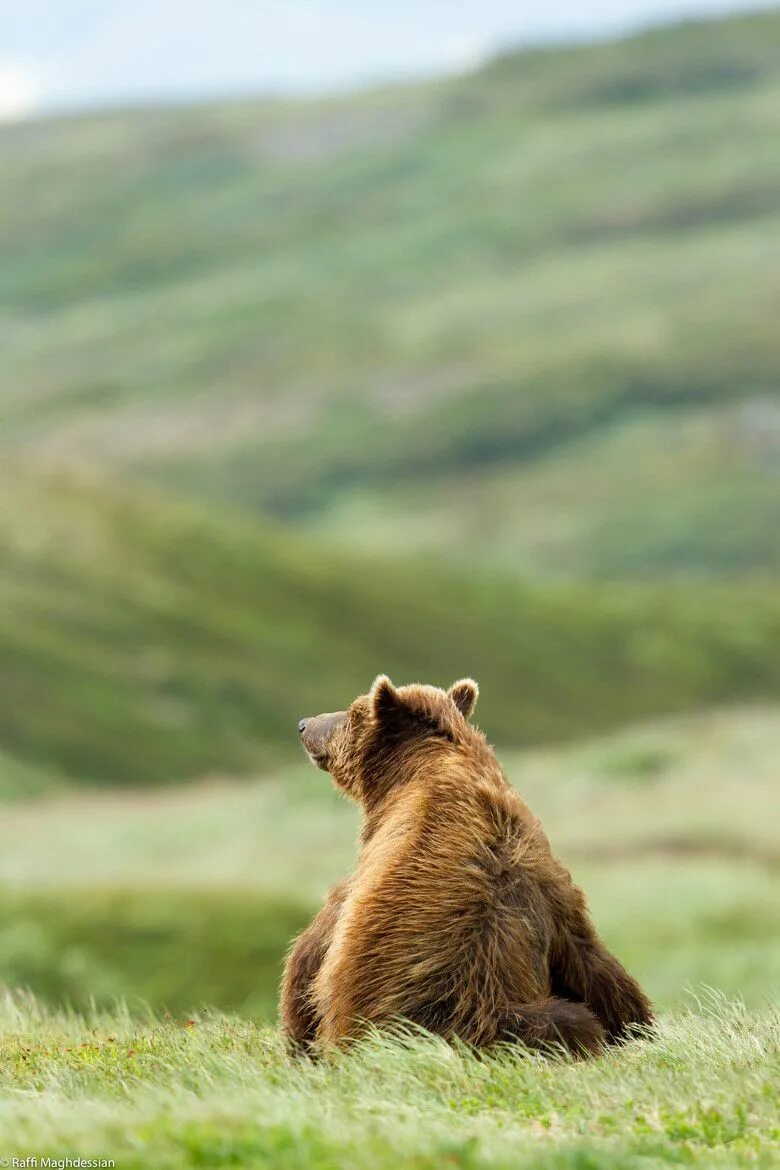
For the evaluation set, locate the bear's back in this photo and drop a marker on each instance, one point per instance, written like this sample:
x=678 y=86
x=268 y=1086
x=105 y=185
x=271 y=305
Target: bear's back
x=446 y=918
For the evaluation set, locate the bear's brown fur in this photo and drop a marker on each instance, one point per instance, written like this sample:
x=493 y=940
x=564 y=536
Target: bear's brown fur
x=457 y=916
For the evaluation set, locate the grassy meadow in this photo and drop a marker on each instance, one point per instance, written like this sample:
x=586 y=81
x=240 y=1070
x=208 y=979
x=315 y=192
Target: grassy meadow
x=218 y=1091
x=138 y=910
x=472 y=376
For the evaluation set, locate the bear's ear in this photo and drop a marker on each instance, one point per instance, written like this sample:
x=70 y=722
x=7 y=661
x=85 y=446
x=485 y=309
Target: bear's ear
x=464 y=694
x=385 y=701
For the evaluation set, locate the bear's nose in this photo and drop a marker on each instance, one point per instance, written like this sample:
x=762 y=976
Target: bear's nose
x=301 y=726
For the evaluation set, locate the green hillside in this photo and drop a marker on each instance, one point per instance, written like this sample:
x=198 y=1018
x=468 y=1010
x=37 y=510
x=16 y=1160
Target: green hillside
x=142 y=640
x=695 y=492
x=298 y=307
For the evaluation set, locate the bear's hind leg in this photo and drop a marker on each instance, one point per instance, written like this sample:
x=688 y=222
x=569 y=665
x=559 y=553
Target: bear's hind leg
x=586 y=971
x=299 y=1016
x=552 y=1021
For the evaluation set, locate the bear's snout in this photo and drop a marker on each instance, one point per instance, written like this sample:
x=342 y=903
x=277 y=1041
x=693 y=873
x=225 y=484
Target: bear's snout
x=316 y=734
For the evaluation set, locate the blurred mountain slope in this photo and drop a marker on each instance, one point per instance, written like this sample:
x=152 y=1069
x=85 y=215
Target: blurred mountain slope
x=694 y=492
x=143 y=640
x=290 y=306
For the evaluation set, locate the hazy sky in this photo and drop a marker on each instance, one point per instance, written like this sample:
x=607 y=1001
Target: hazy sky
x=65 y=54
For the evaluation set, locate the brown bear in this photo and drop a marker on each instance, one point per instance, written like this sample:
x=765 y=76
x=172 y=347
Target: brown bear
x=457 y=917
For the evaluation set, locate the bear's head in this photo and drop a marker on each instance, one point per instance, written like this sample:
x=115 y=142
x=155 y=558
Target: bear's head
x=373 y=744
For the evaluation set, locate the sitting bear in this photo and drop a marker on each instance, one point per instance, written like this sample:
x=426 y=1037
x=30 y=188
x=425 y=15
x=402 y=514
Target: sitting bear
x=457 y=917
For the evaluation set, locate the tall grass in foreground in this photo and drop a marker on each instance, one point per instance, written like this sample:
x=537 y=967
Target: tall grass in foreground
x=219 y=1091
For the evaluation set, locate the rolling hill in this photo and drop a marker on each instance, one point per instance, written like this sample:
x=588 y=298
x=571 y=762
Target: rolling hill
x=430 y=297
x=145 y=640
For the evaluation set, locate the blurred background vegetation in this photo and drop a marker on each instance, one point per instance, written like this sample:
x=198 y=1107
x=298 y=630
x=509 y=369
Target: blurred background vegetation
x=471 y=376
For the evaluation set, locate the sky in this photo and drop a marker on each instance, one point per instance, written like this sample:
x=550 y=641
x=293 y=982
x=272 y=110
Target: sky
x=60 y=55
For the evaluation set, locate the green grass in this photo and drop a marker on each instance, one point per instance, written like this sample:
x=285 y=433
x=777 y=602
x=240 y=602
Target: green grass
x=219 y=1092
x=146 y=641
x=174 y=949
x=430 y=288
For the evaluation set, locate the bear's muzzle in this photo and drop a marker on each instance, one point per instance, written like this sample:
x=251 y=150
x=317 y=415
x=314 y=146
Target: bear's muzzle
x=317 y=733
